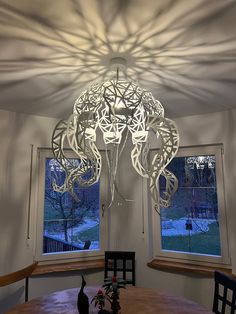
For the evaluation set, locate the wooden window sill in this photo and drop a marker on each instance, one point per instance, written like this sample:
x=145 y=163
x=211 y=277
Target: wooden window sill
x=201 y=270
x=70 y=266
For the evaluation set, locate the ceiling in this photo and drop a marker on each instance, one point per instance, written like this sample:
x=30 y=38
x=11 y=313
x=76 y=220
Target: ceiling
x=184 y=51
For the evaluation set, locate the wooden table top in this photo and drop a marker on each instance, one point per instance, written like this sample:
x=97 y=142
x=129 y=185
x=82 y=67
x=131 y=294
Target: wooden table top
x=133 y=300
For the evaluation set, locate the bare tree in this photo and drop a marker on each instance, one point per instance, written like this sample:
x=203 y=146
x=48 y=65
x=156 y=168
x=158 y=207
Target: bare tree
x=71 y=212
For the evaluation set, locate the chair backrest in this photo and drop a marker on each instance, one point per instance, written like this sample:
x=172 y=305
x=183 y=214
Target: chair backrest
x=119 y=264
x=17 y=276
x=224 y=294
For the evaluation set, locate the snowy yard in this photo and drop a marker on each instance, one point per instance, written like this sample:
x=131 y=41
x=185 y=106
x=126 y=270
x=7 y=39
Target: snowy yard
x=177 y=227
x=88 y=224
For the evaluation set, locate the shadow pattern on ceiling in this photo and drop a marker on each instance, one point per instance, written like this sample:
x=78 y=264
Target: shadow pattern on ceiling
x=183 y=51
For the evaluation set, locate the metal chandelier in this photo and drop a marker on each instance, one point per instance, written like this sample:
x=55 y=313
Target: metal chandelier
x=113 y=106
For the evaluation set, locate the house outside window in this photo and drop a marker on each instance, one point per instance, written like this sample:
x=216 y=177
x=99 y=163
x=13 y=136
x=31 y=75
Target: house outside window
x=69 y=227
x=194 y=227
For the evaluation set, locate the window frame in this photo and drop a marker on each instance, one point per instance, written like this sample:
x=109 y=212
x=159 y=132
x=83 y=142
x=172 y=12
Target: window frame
x=196 y=258
x=70 y=256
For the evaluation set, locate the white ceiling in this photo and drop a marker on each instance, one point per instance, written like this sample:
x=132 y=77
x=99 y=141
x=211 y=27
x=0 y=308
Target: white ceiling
x=184 y=51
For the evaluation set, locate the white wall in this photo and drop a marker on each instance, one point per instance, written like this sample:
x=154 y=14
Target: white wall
x=128 y=219
x=18 y=132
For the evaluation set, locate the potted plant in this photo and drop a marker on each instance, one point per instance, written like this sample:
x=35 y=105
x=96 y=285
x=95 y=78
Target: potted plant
x=99 y=300
x=112 y=287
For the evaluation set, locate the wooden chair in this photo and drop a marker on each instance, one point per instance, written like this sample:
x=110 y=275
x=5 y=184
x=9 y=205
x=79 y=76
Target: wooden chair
x=119 y=264
x=224 y=294
x=17 y=276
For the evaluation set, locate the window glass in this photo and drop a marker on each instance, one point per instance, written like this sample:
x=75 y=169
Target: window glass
x=194 y=227
x=69 y=224
x=191 y=224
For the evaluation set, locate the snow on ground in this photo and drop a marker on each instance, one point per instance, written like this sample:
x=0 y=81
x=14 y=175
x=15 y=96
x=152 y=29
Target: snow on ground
x=94 y=245
x=88 y=224
x=178 y=227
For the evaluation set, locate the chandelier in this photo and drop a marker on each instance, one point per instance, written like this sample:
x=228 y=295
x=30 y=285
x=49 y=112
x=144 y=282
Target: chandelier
x=200 y=162
x=114 y=106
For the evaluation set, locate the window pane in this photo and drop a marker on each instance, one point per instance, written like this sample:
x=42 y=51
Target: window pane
x=69 y=225
x=191 y=224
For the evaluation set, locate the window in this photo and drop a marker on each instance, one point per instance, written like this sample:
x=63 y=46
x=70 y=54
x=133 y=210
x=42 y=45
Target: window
x=193 y=228
x=69 y=227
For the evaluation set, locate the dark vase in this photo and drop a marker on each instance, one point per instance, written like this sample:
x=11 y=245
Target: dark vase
x=82 y=301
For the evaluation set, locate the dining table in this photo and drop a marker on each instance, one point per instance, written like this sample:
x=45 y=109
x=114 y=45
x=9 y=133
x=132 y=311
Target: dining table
x=133 y=300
